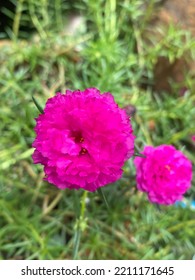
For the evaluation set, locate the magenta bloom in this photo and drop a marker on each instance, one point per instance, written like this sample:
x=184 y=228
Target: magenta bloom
x=165 y=174
x=193 y=137
x=83 y=139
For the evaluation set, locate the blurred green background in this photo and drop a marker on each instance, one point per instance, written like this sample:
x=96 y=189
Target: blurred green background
x=132 y=49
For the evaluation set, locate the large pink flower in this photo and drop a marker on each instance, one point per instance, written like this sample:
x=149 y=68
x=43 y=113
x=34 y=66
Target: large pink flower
x=83 y=139
x=165 y=174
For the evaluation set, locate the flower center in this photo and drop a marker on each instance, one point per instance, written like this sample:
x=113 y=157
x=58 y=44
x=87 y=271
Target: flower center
x=77 y=137
x=83 y=151
x=167 y=167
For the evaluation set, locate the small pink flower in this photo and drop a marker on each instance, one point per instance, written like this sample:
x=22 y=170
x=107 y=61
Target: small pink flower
x=193 y=137
x=83 y=139
x=165 y=174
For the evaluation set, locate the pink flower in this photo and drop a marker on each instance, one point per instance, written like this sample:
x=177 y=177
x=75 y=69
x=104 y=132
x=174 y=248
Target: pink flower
x=193 y=137
x=83 y=139
x=165 y=174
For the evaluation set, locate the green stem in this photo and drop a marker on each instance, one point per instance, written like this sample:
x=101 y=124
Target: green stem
x=77 y=238
x=137 y=148
x=144 y=131
x=139 y=155
x=80 y=226
x=17 y=18
x=157 y=207
x=35 y=20
x=100 y=192
x=137 y=152
x=83 y=204
x=58 y=14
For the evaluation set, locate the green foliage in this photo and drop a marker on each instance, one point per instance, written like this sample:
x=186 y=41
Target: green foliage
x=108 y=51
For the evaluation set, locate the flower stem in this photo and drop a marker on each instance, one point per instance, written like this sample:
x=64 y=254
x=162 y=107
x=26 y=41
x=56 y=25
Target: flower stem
x=100 y=192
x=158 y=207
x=77 y=238
x=137 y=152
x=139 y=155
x=80 y=226
x=83 y=204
